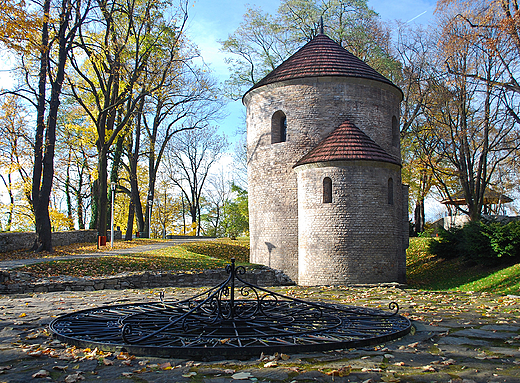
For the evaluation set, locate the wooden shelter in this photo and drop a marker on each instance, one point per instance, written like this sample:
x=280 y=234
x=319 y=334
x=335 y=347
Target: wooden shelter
x=493 y=200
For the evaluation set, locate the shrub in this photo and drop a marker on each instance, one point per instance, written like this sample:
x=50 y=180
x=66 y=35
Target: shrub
x=505 y=239
x=488 y=244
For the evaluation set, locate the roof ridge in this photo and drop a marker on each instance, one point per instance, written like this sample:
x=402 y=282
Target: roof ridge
x=347 y=143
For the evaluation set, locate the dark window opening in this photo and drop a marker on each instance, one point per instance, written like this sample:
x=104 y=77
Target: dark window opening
x=390 y=191
x=395 y=132
x=283 y=129
x=327 y=190
x=278 y=127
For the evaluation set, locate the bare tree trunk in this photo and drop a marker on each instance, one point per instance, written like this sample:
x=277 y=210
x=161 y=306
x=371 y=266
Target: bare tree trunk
x=130 y=221
x=68 y=197
x=41 y=202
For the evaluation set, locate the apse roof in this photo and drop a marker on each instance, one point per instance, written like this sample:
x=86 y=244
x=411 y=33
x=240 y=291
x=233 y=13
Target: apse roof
x=347 y=143
x=321 y=56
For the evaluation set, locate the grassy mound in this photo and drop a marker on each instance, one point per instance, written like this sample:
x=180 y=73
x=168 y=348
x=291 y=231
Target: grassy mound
x=429 y=272
x=186 y=257
x=223 y=248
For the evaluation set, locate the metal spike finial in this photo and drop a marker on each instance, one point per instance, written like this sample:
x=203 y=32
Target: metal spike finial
x=321 y=26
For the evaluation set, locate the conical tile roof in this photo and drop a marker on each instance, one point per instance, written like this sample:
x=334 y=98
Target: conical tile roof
x=321 y=56
x=347 y=143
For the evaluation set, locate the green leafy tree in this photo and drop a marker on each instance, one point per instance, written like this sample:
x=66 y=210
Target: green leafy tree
x=115 y=65
x=263 y=41
x=236 y=213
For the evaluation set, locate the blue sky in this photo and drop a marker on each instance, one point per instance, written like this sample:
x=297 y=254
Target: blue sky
x=213 y=20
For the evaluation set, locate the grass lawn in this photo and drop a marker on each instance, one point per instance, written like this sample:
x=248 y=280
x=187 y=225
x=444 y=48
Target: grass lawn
x=186 y=257
x=425 y=271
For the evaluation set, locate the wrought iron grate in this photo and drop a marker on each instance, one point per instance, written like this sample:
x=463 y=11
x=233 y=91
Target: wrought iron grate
x=217 y=323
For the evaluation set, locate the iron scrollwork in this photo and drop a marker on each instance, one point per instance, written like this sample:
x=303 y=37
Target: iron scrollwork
x=235 y=317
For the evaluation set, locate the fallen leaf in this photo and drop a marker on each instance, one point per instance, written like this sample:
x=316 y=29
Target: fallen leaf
x=343 y=371
x=73 y=378
x=241 y=376
x=127 y=374
x=271 y=364
x=229 y=371
x=60 y=368
x=428 y=368
x=41 y=374
x=285 y=357
x=108 y=362
x=189 y=374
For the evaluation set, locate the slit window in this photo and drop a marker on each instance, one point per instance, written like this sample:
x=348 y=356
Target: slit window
x=395 y=132
x=327 y=190
x=390 y=191
x=278 y=127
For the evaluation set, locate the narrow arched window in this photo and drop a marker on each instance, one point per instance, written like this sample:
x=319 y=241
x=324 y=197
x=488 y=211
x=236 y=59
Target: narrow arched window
x=278 y=127
x=395 y=132
x=390 y=191
x=327 y=190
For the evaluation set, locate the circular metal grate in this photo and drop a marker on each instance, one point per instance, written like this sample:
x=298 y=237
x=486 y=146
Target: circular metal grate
x=216 y=323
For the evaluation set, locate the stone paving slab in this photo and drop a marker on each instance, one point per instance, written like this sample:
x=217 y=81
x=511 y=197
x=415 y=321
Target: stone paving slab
x=434 y=351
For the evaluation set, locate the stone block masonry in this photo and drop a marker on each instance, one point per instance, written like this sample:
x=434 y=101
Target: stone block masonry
x=13 y=241
x=314 y=107
x=13 y=282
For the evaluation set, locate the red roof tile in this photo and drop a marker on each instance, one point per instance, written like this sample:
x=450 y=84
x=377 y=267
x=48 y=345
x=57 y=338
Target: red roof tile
x=347 y=143
x=321 y=56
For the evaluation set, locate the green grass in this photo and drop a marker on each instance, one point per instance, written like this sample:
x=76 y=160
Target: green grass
x=186 y=257
x=425 y=271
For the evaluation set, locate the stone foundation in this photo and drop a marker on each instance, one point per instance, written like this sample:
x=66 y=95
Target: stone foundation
x=12 y=282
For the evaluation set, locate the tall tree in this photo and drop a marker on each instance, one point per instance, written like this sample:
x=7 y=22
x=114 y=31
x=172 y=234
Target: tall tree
x=414 y=48
x=468 y=120
x=190 y=156
x=188 y=100
x=114 y=67
x=15 y=146
x=57 y=40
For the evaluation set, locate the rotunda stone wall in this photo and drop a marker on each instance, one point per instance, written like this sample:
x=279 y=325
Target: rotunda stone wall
x=313 y=107
x=357 y=237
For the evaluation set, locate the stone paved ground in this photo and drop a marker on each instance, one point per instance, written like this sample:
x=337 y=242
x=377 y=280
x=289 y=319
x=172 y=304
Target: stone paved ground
x=458 y=337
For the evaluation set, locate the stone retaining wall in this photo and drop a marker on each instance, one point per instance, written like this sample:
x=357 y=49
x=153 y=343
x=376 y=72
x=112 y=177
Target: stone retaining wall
x=12 y=282
x=13 y=241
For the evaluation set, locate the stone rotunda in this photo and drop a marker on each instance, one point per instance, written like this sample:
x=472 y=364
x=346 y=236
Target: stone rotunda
x=326 y=202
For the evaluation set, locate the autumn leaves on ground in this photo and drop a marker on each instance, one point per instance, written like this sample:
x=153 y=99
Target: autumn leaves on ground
x=186 y=257
x=424 y=271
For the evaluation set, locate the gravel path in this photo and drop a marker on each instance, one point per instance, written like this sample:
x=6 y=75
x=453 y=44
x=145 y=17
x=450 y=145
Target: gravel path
x=458 y=337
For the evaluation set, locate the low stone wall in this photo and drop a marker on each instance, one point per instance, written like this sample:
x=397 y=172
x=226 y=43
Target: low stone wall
x=25 y=240
x=12 y=282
